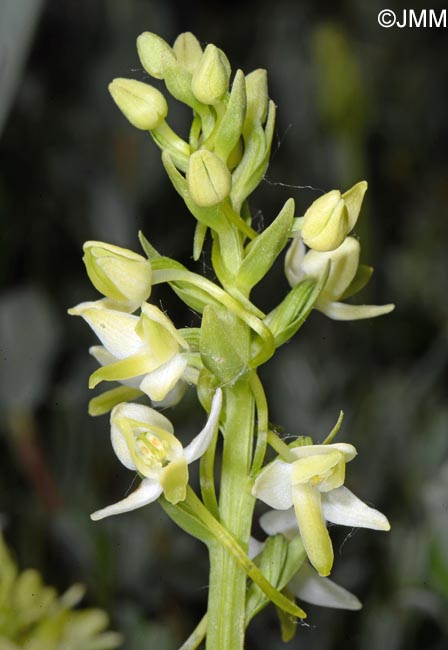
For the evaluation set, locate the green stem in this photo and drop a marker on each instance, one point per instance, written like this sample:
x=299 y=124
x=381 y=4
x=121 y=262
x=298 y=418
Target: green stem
x=197 y=636
x=227 y=590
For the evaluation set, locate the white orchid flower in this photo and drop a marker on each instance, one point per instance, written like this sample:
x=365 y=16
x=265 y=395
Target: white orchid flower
x=300 y=264
x=144 y=441
x=309 y=586
x=121 y=275
x=309 y=491
x=146 y=348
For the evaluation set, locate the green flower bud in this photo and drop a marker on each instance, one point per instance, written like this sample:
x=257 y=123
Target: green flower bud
x=208 y=179
x=211 y=77
x=257 y=96
x=328 y=221
x=188 y=51
x=144 y=106
x=325 y=224
x=155 y=54
x=119 y=274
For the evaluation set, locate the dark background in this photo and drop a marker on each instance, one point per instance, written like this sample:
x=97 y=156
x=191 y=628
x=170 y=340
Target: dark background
x=354 y=101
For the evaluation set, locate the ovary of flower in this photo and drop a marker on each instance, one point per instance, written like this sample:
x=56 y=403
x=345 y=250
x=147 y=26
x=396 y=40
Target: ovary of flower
x=146 y=348
x=312 y=488
x=144 y=441
x=343 y=269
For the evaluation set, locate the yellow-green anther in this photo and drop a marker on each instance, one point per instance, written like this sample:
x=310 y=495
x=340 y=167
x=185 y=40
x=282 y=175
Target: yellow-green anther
x=155 y=54
x=325 y=223
x=188 y=51
x=208 y=179
x=119 y=274
x=257 y=96
x=353 y=199
x=144 y=106
x=211 y=78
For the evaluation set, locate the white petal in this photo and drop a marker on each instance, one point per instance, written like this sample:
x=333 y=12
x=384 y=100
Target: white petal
x=147 y=492
x=144 y=415
x=279 y=521
x=273 y=485
x=343 y=311
x=255 y=548
x=309 y=586
x=199 y=444
x=293 y=261
x=340 y=506
x=159 y=382
x=115 y=329
x=173 y=397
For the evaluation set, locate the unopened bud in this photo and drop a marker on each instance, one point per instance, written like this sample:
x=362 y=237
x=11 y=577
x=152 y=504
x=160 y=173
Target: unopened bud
x=211 y=77
x=353 y=199
x=188 y=51
x=209 y=181
x=325 y=223
x=119 y=274
x=257 y=96
x=144 y=106
x=155 y=54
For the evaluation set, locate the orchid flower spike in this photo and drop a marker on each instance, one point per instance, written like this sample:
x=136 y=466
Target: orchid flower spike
x=144 y=441
x=145 y=348
x=345 y=278
x=309 y=491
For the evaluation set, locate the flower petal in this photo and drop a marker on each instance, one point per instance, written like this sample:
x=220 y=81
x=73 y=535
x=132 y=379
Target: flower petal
x=159 y=382
x=105 y=358
x=273 y=485
x=200 y=443
x=343 y=311
x=304 y=451
x=340 y=506
x=279 y=521
x=312 y=528
x=115 y=329
x=312 y=588
x=147 y=492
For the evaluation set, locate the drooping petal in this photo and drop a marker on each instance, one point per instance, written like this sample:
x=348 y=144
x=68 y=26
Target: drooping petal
x=105 y=358
x=312 y=588
x=279 y=521
x=312 y=528
x=340 y=506
x=343 y=311
x=124 y=369
x=159 y=382
x=147 y=492
x=273 y=485
x=200 y=443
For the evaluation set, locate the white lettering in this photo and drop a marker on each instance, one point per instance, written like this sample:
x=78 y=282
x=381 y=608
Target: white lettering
x=404 y=21
x=414 y=22
x=433 y=22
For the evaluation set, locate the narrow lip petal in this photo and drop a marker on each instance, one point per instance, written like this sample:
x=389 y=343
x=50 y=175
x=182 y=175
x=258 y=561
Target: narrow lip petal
x=340 y=506
x=312 y=527
x=279 y=521
x=148 y=491
x=309 y=586
x=200 y=443
x=273 y=485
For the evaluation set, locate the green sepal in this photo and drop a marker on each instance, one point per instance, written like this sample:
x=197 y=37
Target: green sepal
x=105 y=402
x=224 y=344
x=362 y=277
x=149 y=250
x=230 y=128
x=198 y=241
x=211 y=217
x=262 y=251
x=279 y=562
x=191 y=336
x=287 y=318
x=288 y=626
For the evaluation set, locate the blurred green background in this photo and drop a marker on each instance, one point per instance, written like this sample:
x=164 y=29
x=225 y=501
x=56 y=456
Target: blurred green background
x=354 y=101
